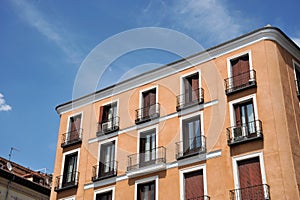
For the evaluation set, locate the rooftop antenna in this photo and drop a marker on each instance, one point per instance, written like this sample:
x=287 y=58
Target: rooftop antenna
x=11 y=151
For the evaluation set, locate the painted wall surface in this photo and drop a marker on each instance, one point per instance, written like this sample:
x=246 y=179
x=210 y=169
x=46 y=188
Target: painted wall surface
x=277 y=108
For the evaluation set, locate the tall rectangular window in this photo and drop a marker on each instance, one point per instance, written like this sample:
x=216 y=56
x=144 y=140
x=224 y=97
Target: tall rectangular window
x=108 y=117
x=193 y=185
x=191 y=88
x=146 y=191
x=244 y=119
x=297 y=76
x=191 y=135
x=240 y=68
x=104 y=196
x=70 y=167
x=147 y=147
x=149 y=103
x=74 y=128
x=107 y=159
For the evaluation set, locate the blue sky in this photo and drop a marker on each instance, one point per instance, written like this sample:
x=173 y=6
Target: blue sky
x=43 y=44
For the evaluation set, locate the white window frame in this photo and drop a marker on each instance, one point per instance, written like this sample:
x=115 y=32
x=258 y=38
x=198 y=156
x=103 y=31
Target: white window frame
x=139 y=135
x=296 y=66
x=69 y=119
x=229 y=66
x=192 y=169
x=182 y=77
x=145 y=90
x=69 y=198
x=235 y=160
x=103 y=190
x=104 y=142
x=146 y=180
x=63 y=162
x=112 y=102
x=182 y=118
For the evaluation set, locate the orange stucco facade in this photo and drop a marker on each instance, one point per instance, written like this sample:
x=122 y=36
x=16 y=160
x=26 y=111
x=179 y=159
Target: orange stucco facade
x=276 y=105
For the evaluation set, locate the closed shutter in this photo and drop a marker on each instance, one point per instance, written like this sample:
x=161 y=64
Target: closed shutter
x=249 y=176
x=240 y=67
x=75 y=127
x=193 y=183
x=195 y=87
x=146 y=104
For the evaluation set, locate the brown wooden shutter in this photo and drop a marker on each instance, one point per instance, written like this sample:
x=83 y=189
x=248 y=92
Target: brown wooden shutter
x=146 y=104
x=240 y=67
x=194 y=188
x=237 y=111
x=195 y=87
x=101 y=114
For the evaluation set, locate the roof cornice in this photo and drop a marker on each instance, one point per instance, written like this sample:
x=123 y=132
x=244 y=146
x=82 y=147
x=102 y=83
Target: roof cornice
x=265 y=33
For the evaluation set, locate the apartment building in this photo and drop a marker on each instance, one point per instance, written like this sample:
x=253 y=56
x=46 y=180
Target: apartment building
x=20 y=183
x=220 y=124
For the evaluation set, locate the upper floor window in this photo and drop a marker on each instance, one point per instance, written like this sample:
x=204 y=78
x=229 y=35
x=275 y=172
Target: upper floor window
x=146 y=191
x=147 y=147
x=241 y=74
x=74 y=134
x=297 y=77
x=108 y=118
x=149 y=106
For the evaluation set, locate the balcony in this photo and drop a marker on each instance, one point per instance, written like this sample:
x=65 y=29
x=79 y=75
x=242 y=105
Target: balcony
x=108 y=126
x=105 y=170
x=71 y=138
x=193 y=146
x=244 y=133
x=147 y=113
x=189 y=99
x=240 y=82
x=66 y=181
x=148 y=162
x=258 y=192
x=205 y=197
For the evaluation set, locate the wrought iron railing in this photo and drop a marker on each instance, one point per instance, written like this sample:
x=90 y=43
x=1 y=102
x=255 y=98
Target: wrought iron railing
x=147 y=113
x=66 y=181
x=190 y=98
x=71 y=137
x=105 y=170
x=240 y=81
x=244 y=132
x=205 y=197
x=108 y=126
x=191 y=147
x=258 y=192
x=151 y=157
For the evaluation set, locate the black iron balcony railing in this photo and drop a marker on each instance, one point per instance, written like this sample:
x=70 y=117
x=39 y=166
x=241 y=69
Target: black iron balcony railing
x=240 y=82
x=205 y=197
x=245 y=132
x=105 y=170
x=66 y=181
x=108 y=126
x=147 y=113
x=258 y=192
x=151 y=157
x=190 y=147
x=72 y=137
x=189 y=99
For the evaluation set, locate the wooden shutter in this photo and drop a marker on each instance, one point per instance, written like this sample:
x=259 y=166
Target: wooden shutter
x=186 y=91
x=240 y=67
x=101 y=114
x=146 y=104
x=237 y=111
x=75 y=127
x=250 y=175
x=195 y=87
x=193 y=183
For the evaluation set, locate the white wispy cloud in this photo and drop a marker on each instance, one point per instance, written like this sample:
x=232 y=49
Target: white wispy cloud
x=3 y=105
x=33 y=17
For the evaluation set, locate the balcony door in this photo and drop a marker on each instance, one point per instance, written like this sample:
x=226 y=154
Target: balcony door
x=193 y=185
x=147 y=147
x=191 y=135
x=250 y=179
x=104 y=196
x=107 y=159
x=191 y=88
x=107 y=117
x=240 y=70
x=70 y=167
x=149 y=103
x=244 y=119
x=146 y=191
x=74 y=128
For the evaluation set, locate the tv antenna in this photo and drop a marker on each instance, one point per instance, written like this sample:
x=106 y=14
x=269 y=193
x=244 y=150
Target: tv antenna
x=11 y=151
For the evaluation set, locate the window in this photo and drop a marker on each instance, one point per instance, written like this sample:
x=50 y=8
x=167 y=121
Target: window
x=191 y=135
x=193 y=185
x=146 y=191
x=191 y=88
x=107 y=165
x=244 y=119
x=297 y=77
x=147 y=147
x=149 y=103
x=74 y=132
x=108 y=119
x=104 y=196
x=69 y=172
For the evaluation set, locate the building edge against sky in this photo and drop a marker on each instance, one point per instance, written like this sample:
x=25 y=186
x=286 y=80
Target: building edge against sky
x=225 y=127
